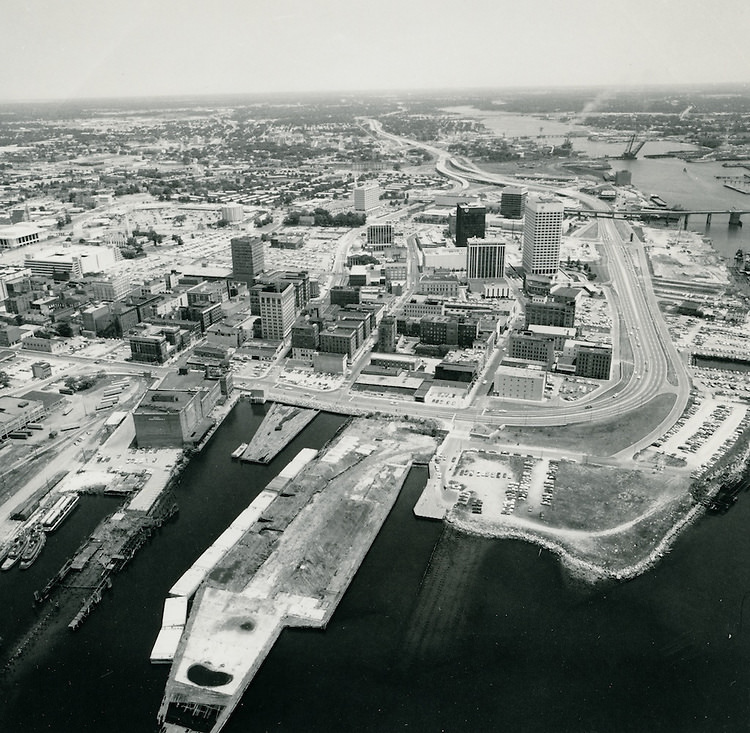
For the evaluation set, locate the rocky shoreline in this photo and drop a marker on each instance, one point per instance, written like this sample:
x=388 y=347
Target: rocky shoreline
x=593 y=572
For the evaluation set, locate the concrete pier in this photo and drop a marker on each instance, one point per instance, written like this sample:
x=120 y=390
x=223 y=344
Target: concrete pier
x=280 y=426
x=290 y=569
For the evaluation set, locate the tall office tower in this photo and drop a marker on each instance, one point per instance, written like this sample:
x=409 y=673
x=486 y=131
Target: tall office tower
x=542 y=232
x=247 y=258
x=277 y=311
x=469 y=222
x=485 y=259
x=366 y=197
x=513 y=202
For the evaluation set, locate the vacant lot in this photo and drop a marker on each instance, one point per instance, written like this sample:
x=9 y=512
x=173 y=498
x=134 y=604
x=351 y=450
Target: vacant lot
x=596 y=498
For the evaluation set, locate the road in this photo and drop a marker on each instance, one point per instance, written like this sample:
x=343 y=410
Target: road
x=656 y=366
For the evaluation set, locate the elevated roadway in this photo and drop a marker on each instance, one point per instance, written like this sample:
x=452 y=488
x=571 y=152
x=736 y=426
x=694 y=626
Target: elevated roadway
x=656 y=366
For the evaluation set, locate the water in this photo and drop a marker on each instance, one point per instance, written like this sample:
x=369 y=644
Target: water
x=438 y=631
x=499 y=639
x=100 y=676
x=691 y=185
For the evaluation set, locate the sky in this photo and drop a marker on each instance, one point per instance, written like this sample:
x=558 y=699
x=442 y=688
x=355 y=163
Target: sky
x=68 y=49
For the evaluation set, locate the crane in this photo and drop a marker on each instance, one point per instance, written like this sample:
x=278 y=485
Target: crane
x=631 y=152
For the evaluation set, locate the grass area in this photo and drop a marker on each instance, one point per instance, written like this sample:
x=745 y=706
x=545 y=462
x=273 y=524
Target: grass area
x=598 y=438
x=594 y=498
x=624 y=549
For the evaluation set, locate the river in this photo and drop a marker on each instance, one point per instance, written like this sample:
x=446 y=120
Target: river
x=438 y=631
x=691 y=185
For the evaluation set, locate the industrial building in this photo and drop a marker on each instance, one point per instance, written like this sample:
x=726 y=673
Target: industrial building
x=176 y=413
x=17 y=412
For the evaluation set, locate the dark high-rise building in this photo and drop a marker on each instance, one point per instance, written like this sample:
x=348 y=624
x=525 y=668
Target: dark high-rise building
x=344 y=295
x=387 y=335
x=247 y=258
x=470 y=220
x=513 y=202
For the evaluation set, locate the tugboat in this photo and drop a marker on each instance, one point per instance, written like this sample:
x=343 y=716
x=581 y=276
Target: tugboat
x=15 y=552
x=37 y=540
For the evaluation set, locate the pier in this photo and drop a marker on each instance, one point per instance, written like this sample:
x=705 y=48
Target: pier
x=280 y=426
x=290 y=568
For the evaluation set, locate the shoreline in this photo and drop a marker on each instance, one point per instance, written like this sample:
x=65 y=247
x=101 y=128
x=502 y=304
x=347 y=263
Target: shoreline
x=592 y=572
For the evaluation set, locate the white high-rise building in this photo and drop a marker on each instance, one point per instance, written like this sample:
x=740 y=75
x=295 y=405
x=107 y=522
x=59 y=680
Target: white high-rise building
x=542 y=232
x=485 y=259
x=366 y=197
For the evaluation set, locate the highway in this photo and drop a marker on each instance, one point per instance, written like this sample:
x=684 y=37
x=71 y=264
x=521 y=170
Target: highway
x=656 y=367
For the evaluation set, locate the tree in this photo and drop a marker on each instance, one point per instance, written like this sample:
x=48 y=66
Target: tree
x=63 y=329
x=4 y=379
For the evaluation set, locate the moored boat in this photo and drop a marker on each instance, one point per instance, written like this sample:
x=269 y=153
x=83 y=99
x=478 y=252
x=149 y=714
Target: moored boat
x=59 y=511
x=239 y=450
x=15 y=552
x=37 y=540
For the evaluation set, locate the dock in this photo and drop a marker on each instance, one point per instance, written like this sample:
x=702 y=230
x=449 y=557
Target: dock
x=290 y=569
x=280 y=426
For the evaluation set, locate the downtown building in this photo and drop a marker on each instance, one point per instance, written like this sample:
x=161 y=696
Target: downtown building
x=366 y=197
x=277 y=311
x=542 y=234
x=379 y=234
x=247 y=258
x=485 y=259
x=470 y=222
x=513 y=202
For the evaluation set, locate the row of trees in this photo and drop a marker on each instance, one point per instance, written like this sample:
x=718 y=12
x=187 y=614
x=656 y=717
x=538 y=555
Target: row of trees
x=324 y=218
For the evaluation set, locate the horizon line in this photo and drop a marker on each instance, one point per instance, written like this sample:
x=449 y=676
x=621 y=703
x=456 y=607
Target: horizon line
x=620 y=87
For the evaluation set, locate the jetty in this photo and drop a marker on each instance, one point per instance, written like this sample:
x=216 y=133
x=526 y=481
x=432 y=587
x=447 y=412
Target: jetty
x=280 y=426
x=289 y=568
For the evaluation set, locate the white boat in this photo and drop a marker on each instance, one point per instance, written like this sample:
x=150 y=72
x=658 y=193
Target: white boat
x=239 y=450
x=59 y=511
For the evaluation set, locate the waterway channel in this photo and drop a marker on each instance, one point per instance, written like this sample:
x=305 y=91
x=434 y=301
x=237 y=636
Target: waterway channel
x=692 y=185
x=438 y=631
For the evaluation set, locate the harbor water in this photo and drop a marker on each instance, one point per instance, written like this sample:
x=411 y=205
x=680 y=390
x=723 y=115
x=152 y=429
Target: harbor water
x=692 y=185
x=438 y=631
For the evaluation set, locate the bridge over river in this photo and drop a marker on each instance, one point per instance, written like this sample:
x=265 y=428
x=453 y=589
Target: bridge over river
x=663 y=213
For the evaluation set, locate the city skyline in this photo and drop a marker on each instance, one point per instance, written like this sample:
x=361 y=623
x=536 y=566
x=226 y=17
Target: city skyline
x=86 y=50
